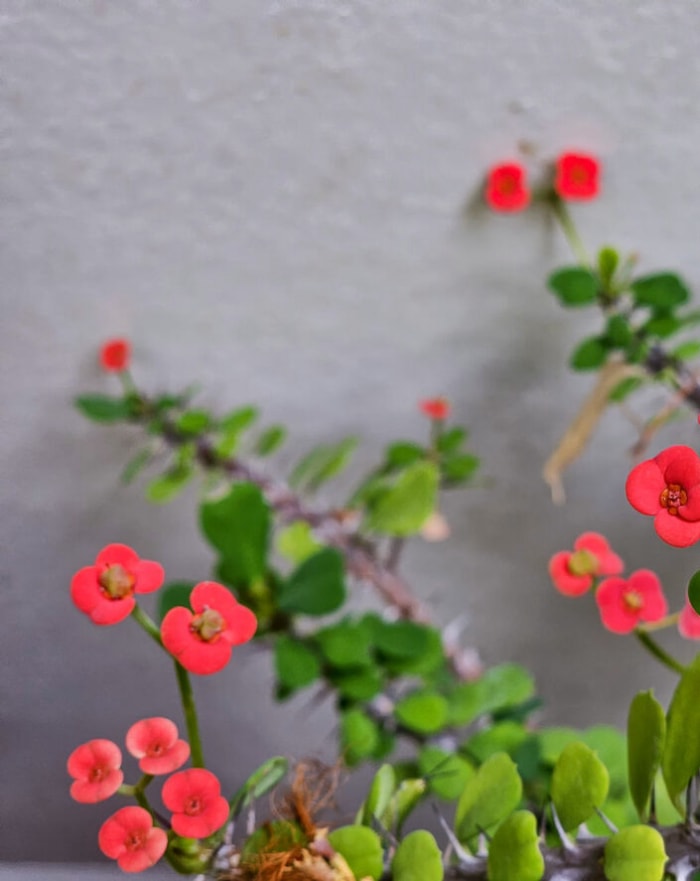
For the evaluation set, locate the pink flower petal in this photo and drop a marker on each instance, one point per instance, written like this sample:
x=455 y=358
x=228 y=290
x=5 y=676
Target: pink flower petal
x=675 y=531
x=644 y=486
x=689 y=622
x=566 y=583
x=149 y=576
x=117 y=555
x=680 y=464
x=647 y=584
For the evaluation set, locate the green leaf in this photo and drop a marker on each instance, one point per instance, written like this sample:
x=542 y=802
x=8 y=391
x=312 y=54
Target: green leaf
x=618 y=331
x=345 y=644
x=681 y=755
x=417 y=858
x=589 y=355
x=664 y=290
x=429 y=661
x=238 y=526
x=608 y=260
x=322 y=463
x=488 y=798
x=296 y=542
x=400 y=639
x=646 y=730
x=625 y=388
x=451 y=440
x=505 y=685
x=262 y=780
x=405 y=507
x=514 y=852
x=403 y=453
x=295 y=663
x=177 y=593
x=611 y=747
x=460 y=467
x=694 y=591
x=574 y=286
x=662 y=326
x=102 y=408
x=580 y=784
x=316 y=586
x=404 y=801
x=238 y=420
x=359 y=736
x=134 y=466
x=636 y=853
x=362 y=849
x=193 y=422
x=270 y=440
x=358 y=685
x=379 y=796
x=446 y=773
x=687 y=351
x=165 y=487
x=504 y=737
x=424 y=712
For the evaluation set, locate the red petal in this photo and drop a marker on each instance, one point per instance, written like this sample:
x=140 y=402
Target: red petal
x=211 y=595
x=680 y=464
x=676 y=532
x=178 y=788
x=88 y=792
x=117 y=555
x=85 y=590
x=242 y=626
x=644 y=486
x=566 y=583
x=149 y=576
x=689 y=622
x=175 y=758
x=147 y=855
x=95 y=753
x=142 y=735
x=175 y=630
x=114 y=831
x=647 y=583
x=112 y=611
x=691 y=510
x=205 y=658
x=613 y=612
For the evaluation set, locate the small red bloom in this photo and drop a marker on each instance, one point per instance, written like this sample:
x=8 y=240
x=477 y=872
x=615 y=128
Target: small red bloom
x=105 y=591
x=689 y=622
x=155 y=743
x=202 y=642
x=96 y=767
x=667 y=488
x=194 y=797
x=573 y=572
x=623 y=604
x=114 y=355
x=130 y=838
x=577 y=176
x=435 y=408
x=506 y=187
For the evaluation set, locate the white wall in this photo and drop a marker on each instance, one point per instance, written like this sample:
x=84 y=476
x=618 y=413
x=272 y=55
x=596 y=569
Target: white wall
x=269 y=197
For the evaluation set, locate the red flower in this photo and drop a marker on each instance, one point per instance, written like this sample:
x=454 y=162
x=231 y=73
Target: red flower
x=506 y=187
x=130 y=838
x=155 y=743
x=577 y=176
x=573 y=572
x=202 y=642
x=623 y=604
x=667 y=487
x=435 y=408
x=194 y=797
x=689 y=622
x=96 y=767
x=105 y=591
x=114 y=355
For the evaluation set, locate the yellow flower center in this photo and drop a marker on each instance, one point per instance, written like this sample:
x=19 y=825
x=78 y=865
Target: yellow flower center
x=116 y=582
x=208 y=625
x=583 y=563
x=673 y=497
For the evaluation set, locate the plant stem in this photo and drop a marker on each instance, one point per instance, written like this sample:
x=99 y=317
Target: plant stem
x=190 y=711
x=568 y=227
x=652 y=646
x=148 y=624
x=661 y=624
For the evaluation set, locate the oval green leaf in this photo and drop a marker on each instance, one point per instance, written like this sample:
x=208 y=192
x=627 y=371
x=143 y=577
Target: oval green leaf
x=378 y=797
x=646 y=730
x=238 y=526
x=417 y=858
x=359 y=736
x=295 y=663
x=694 y=591
x=362 y=849
x=446 y=773
x=424 y=712
x=636 y=853
x=574 y=286
x=514 y=852
x=662 y=290
x=316 y=587
x=491 y=794
x=580 y=783
x=681 y=755
x=403 y=508
x=589 y=354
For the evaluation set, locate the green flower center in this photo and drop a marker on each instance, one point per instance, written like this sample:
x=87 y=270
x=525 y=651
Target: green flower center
x=633 y=601
x=208 y=625
x=583 y=563
x=116 y=582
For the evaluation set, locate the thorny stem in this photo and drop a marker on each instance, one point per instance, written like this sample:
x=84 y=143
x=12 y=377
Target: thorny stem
x=652 y=646
x=190 y=711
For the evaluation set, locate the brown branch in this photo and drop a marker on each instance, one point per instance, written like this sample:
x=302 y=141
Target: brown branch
x=337 y=528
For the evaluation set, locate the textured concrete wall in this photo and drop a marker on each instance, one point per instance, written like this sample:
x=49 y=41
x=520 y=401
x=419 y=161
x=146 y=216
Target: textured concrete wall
x=268 y=197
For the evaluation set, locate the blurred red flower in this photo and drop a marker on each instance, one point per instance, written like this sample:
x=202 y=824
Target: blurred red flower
x=96 y=767
x=115 y=355
x=506 y=187
x=573 y=572
x=435 y=408
x=577 y=176
x=689 y=622
x=625 y=603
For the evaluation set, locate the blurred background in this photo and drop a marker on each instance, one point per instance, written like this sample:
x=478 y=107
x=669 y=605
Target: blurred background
x=275 y=199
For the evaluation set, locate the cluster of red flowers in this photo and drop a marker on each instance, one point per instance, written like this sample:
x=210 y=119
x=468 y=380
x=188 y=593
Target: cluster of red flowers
x=576 y=177
x=201 y=640
x=193 y=796
x=623 y=603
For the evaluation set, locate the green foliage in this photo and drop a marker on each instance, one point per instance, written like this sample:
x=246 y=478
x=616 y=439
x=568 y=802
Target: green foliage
x=488 y=798
x=460 y=467
x=618 y=331
x=103 y=408
x=514 y=852
x=694 y=591
x=230 y=428
x=580 y=784
x=608 y=261
x=625 y=388
x=504 y=685
x=402 y=453
x=399 y=639
x=167 y=486
x=193 y=422
x=359 y=736
x=316 y=586
x=177 y=593
x=417 y=858
x=424 y=711
x=681 y=754
x=589 y=354
x=646 y=731
x=261 y=781
x=405 y=799
x=270 y=440
x=296 y=542
x=636 y=853
x=687 y=351
x=346 y=644
x=663 y=290
x=358 y=685
x=379 y=797
x=322 y=463
x=446 y=773
x=362 y=849
x=502 y=737
x=237 y=525
x=574 y=286
x=135 y=466
x=402 y=509
x=296 y=664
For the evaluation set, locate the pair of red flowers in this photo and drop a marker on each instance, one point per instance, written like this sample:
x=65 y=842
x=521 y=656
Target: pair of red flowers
x=193 y=796
x=200 y=639
x=576 y=176
x=623 y=603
